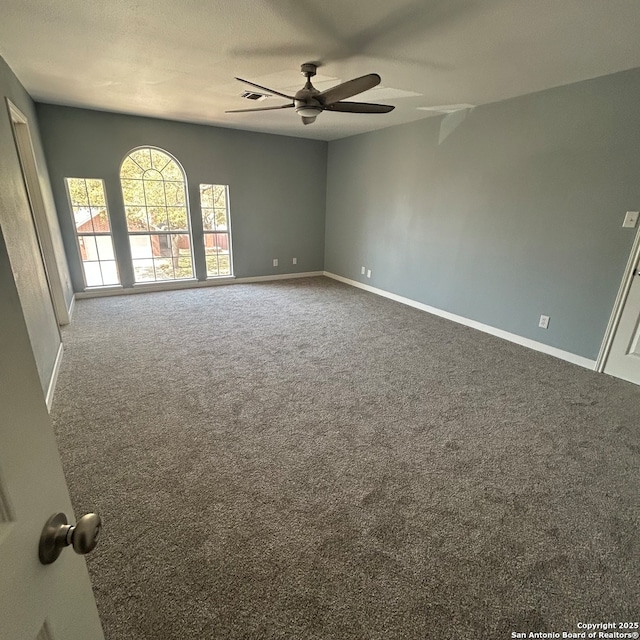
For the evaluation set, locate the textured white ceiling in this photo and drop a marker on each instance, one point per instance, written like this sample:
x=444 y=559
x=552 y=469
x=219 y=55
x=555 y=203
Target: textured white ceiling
x=177 y=60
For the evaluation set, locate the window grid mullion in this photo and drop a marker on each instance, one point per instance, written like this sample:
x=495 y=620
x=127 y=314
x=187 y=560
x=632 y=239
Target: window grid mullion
x=75 y=206
x=86 y=191
x=210 y=212
x=163 y=266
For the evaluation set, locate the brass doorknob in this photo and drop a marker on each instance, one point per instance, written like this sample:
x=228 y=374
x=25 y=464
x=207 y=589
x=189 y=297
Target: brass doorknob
x=58 y=534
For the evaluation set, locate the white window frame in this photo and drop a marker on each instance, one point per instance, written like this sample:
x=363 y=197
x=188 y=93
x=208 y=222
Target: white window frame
x=109 y=233
x=138 y=283
x=211 y=232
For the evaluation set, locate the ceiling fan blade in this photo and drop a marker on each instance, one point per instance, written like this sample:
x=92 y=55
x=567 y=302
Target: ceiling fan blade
x=308 y=119
x=282 y=106
x=306 y=17
x=411 y=21
x=349 y=88
x=359 y=107
x=277 y=93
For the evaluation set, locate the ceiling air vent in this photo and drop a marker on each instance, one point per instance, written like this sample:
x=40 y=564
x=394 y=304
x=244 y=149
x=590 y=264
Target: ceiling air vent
x=253 y=95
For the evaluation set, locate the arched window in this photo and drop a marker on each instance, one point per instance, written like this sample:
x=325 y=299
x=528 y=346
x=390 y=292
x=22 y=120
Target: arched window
x=154 y=189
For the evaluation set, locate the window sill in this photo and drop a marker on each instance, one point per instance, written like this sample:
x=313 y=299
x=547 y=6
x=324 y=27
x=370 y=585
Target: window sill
x=163 y=283
x=103 y=287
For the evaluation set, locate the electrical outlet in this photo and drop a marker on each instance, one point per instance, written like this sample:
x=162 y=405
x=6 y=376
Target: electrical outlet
x=275 y=262
x=362 y=270
x=544 y=322
x=630 y=219
x=368 y=273
x=295 y=260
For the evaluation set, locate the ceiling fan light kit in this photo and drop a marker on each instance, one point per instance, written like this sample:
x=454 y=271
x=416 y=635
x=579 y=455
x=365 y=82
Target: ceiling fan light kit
x=309 y=103
x=308 y=111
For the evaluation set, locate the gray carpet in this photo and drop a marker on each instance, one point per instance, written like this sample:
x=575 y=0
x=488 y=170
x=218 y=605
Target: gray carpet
x=304 y=460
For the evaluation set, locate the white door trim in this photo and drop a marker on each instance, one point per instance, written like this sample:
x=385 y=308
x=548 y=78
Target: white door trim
x=618 y=307
x=54 y=377
x=27 y=159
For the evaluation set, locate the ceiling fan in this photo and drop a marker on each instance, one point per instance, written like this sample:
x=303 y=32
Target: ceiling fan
x=309 y=103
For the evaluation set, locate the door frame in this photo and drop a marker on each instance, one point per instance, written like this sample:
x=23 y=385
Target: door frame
x=27 y=160
x=618 y=307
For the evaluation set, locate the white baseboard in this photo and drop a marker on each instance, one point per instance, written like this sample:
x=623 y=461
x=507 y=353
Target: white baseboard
x=54 y=377
x=188 y=284
x=281 y=276
x=72 y=307
x=500 y=333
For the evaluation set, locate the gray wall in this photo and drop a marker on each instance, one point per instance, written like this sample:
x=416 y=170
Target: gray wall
x=509 y=213
x=19 y=231
x=277 y=184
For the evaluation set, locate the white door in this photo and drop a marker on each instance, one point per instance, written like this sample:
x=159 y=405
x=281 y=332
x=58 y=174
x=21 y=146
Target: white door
x=52 y=602
x=624 y=357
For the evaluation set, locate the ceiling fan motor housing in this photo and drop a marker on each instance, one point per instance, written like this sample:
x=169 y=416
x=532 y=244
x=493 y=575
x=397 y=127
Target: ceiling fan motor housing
x=306 y=102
